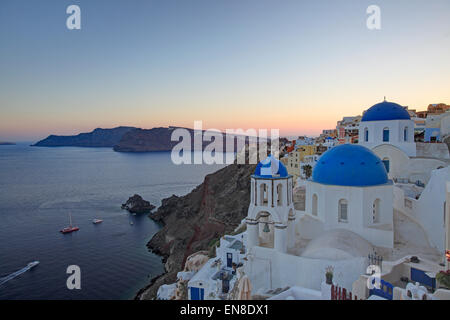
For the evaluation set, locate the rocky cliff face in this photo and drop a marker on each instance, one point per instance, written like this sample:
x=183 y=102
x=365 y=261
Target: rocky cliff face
x=191 y=222
x=96 y=138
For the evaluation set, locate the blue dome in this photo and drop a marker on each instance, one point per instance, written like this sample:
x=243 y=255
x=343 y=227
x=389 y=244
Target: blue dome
x=386 y=111
x=270 y=168
x=350 y=165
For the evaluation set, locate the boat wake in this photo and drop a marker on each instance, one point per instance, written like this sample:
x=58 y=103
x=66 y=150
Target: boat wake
x=18 y=272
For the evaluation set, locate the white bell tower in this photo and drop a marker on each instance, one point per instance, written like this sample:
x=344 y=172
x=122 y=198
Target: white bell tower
x=271 y=216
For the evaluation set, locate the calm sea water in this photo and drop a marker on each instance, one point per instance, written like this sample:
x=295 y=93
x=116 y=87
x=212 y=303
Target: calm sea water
x=39 y=187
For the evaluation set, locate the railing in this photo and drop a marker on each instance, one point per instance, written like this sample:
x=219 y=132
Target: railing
x=385 y=291
x=338 y=293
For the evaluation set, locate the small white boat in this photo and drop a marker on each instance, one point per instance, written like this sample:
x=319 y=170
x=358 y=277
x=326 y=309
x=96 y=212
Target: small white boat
x=19 y=272
x=96 y=221
x=131 y=223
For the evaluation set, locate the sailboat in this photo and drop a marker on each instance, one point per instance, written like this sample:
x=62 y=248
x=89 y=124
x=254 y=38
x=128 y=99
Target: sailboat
x=69 y=229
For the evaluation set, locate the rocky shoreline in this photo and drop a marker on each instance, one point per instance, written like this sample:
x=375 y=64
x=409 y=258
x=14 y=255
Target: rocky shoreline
x=192 y=222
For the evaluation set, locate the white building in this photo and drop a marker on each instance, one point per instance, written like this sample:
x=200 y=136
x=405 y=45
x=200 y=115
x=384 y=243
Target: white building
x=387 y=123
x=387 y=129
x=231 y=250
x=350 y=190
x=218 y=276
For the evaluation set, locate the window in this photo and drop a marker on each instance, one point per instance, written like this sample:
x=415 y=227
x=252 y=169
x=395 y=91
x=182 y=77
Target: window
x=405 y=134
x=376 y=211
x=386 y=135
x=343 y=217
x=366 y=135
x=314 y=205
x=386 y=164
x=280 y=195
x=264 y=194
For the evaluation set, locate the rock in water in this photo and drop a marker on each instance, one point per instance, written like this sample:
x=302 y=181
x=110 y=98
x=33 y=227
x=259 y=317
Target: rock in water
x=136 y=204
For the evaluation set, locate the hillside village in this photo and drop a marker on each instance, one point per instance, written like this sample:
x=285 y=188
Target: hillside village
x=360 y=212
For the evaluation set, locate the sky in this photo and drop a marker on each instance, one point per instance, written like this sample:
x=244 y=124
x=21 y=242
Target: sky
x=298 y=66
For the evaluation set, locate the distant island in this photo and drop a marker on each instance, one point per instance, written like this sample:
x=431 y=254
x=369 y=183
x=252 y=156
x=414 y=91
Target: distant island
x=2 y=143
x=124 y=139
x=96 y=138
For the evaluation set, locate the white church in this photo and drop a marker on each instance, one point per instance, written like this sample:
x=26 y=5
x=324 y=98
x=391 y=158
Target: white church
x=387 y=129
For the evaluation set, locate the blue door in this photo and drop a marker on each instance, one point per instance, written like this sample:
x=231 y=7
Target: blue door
x=229 y=260
x=421 y=277
x=197 y=293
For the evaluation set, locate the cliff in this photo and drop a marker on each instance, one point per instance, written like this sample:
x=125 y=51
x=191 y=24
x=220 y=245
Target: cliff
x=192 y=222
x=96 y=138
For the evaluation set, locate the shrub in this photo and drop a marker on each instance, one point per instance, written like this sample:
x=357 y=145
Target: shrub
x=444 y=278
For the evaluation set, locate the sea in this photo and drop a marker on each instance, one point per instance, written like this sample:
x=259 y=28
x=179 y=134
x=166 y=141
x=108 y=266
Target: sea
x=40 y=187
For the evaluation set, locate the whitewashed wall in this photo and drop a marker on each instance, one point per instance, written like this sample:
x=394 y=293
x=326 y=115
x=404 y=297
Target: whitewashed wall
x=359 y=211
x=396 y=138
x=280 y=270
x=403 y=167
x=429 y=208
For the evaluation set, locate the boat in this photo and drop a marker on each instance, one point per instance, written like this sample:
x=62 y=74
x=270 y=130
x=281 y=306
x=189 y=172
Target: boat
x=131 y=223
x=19 y=272
x=70 y=228
x=96 y=221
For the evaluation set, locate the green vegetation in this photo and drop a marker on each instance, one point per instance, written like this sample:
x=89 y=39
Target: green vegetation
x=308 y=170
x=240 y=230
x=444 y=278
x=212 y=247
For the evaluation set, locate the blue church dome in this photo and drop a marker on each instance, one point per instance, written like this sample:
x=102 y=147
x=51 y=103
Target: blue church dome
x=350 y=165
x=271 y=168
x=386 y=111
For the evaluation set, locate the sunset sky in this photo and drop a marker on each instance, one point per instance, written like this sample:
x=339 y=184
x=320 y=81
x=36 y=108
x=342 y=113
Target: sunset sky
x=298 y=66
